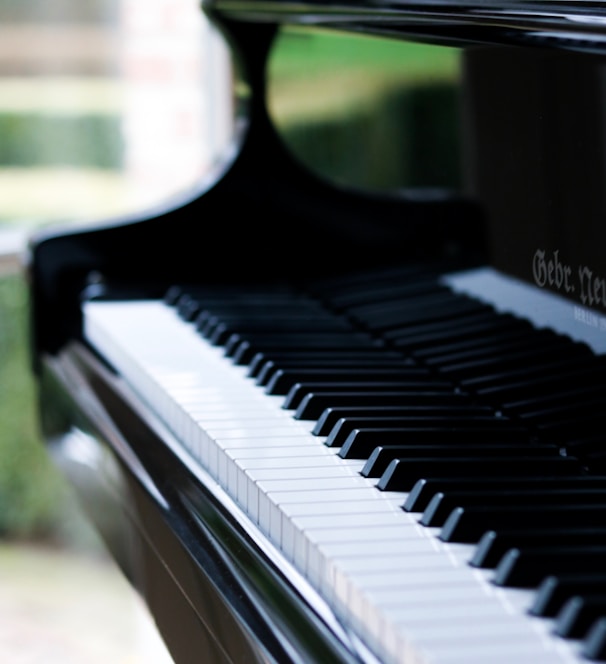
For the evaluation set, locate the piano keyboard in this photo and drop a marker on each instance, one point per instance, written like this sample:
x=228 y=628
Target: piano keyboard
x=429 y=465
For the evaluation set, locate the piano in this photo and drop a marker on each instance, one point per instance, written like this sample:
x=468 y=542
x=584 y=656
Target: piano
x=318 y=422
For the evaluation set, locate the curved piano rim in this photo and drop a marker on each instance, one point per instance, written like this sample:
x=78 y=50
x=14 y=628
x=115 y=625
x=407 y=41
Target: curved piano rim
x=216 y=588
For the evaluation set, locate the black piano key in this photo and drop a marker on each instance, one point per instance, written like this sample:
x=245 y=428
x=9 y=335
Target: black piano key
x=331 y=416
x=358 y=295
x=380 y=458
x=572 y=426
x=244 y=351
x=299 y=340
x=360 y=443
x=442 y=504
x=574 y=409
x=401 y=476
x=359 y=282
x=493 y=332
x=425 y=489
x=218 y=334
x=187 y=307
x=552 y=402
x=509 y=386
x=578 y=615
x=201 y=307
x=554 y=591
x=262 y=311
x=494 y=545
x=257 y=312
x=527 y=567
x=506 y=362
x=409 y=306
x=300 y=391
x=338 y=435
x=314 y=404
x=284 y=379
x=466 y=324
x=498 y=344
x=284 y=330
x=421 y=341
x=468 y=524
x=398 y=317
x=271 y=367
x=594 y=644
x=310 y=356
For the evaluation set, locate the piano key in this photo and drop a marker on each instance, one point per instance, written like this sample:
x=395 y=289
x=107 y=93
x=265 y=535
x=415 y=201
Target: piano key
x=493 y=545
x=342 y=429
x=380 y=458
x=424 y=490
x=579 y=614
x=417 y=384
x=401 y=476
x=441 y=505
x=314 y=404
x=552 y=402
x=483 y=332
x=361 y=442
x=355 y=292
x=594 y=645
x=270 y=368
x=242 y=351
x=527 y=567
x=309 y=357
x=468 y=524
x=395 y=316
x=522 y=383
x=516 y=339
x=554 y=591
x=539 y=357
x=284 y=380
x=218 y=333
x=329 y=418
x=480 y=325
x=421 y=342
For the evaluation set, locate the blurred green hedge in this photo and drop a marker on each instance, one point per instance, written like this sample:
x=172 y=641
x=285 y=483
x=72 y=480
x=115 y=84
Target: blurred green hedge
x=406 y=138
x=42 y=139
x=32 y=495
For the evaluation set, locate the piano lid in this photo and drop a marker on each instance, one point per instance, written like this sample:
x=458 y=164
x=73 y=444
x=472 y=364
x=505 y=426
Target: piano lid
x=577 y=26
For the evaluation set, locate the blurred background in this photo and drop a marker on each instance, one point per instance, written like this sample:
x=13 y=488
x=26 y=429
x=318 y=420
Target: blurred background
x=107 y=108
x=103 y=112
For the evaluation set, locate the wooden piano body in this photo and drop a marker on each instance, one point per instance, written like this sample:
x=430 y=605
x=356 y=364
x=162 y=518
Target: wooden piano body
x=533 y=205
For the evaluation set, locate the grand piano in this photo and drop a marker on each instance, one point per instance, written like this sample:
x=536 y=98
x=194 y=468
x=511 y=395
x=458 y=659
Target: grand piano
x=317 y=422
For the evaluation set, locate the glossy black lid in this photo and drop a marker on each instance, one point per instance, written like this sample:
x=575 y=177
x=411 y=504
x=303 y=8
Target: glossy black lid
x=578 y=26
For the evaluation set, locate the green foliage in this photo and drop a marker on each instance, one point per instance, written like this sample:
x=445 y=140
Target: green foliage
x=369 y=112
x=407 y=138
x=31 y=492
x=303 y=53
x=40 y=139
